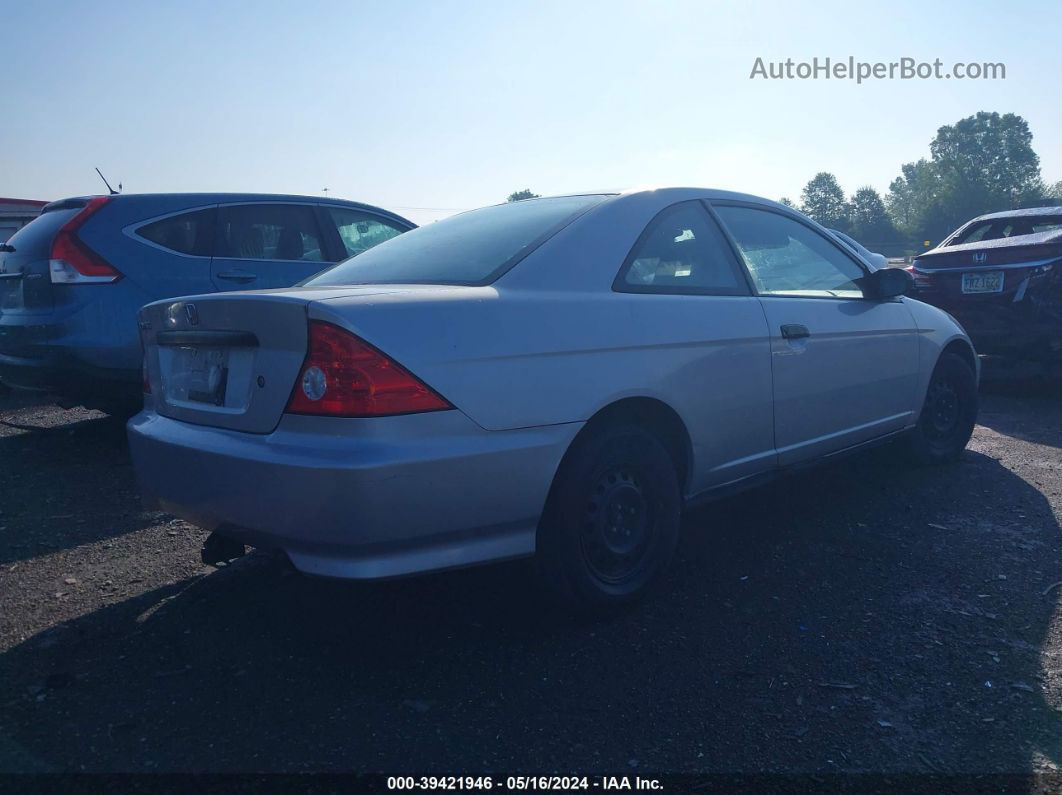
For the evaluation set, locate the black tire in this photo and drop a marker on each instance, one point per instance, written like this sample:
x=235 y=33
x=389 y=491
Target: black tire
x=948 y=414
x=612 y=520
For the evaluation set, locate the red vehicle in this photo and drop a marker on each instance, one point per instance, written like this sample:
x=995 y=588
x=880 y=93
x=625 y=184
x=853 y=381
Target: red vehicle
x=1000 y=276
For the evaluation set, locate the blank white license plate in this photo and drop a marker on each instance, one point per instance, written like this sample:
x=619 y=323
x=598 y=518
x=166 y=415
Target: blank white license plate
x=984 y=282
x=198 y=375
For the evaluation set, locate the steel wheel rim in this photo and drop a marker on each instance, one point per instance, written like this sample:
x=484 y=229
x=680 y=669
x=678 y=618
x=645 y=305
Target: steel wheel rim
x=617 y=525
x=942 y=408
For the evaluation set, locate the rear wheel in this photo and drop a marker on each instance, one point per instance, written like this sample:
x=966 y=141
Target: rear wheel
x=948 y=414
x=612 y=522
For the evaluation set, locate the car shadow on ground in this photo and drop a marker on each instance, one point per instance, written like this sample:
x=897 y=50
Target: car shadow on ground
x=864 y=617
x=53 y=476
x=1039 y=421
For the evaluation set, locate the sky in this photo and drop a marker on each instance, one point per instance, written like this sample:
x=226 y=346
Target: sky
x=428 y=108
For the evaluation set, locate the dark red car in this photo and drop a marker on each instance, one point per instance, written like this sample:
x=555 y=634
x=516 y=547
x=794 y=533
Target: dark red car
x=1000 y=276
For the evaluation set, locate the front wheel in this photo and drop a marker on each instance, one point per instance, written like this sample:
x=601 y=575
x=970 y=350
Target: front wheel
x=948 y=414
x=612 y=522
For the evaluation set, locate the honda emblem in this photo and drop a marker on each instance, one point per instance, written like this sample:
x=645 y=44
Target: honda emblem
x=980 y=257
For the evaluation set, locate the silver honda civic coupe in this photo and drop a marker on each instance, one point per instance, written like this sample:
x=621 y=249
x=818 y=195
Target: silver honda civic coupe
x=555 y=377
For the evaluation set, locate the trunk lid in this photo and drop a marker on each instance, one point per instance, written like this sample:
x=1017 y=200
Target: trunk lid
x=993 y=272
x=1019 y=251
x=229 y=360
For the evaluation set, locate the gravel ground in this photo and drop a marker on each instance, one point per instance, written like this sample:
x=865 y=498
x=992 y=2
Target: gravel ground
x=863 y=617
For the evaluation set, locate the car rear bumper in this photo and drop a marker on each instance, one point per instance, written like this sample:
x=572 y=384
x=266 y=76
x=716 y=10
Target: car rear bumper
x=357 y=498
x=1023 y=320
x=54 y=354
x=65 y=376
x=1008 y=330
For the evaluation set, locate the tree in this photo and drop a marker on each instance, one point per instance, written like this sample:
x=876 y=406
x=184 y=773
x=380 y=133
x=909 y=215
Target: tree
x=917 y=204
x=1054 y=191
x=867 y=209
x=823 y=200
x=986 y=163
x=869 y=221
x=981 y=164
x=787 y=202
x=520 y=195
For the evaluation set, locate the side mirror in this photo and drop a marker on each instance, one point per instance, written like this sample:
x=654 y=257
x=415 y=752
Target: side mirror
x=887 y=283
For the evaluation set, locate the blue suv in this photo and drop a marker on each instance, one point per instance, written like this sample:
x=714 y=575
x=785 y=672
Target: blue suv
x=72 y=280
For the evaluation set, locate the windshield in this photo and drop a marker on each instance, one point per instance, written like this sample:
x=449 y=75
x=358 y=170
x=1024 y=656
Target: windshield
x=859 y=249
x=468 y=249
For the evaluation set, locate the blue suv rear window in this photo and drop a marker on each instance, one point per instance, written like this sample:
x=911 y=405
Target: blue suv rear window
x=188 y=233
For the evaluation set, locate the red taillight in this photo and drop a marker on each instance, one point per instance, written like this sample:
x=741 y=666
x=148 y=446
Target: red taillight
x=920 y=279
x=346 y=377
x=73 y=262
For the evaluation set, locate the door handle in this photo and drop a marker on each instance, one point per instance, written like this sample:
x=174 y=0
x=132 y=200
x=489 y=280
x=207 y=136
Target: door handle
x=237 y=276
x=794 y=331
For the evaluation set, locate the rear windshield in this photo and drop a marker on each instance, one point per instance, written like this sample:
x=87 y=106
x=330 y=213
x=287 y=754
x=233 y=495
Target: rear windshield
x=35 y=238
x=467 y=249
x=1000 y=228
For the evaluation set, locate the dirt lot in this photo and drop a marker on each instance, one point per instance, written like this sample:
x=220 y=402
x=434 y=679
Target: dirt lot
x=865 y=617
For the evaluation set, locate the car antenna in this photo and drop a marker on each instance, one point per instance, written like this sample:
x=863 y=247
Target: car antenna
x=105 y=182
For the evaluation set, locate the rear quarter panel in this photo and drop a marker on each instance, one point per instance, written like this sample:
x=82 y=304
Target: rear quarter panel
x=551 y=343
x=150 y=272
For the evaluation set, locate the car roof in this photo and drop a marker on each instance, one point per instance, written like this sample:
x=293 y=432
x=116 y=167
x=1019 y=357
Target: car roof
x=1031 y=211
x=674 y=194
x=219 y=198
x=681 y=192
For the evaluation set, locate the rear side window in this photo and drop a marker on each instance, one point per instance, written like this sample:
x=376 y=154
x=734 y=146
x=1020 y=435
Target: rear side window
x=188 y=233
x=268 y=231
x=360 y=231
x=471 y=248
x=682 y=251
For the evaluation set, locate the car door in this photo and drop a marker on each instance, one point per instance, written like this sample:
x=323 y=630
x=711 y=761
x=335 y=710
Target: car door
x=267 y=244
x=844 y=366
x=701 y=331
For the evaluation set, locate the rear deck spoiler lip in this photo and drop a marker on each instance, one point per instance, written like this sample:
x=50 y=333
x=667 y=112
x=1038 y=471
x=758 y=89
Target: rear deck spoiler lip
x=920 y=266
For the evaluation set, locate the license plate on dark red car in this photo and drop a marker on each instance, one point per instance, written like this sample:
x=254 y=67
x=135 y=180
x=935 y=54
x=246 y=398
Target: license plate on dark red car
x=983 y=282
